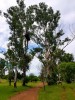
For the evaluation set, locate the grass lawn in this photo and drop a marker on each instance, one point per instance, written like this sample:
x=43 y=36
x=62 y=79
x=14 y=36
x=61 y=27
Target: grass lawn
x=58 y=92
x=6 y=91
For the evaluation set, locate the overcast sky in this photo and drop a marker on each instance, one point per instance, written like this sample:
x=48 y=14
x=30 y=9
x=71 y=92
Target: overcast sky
x=66 y=8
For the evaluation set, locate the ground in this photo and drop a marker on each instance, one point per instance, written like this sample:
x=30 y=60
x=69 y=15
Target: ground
x=31 y=94
x=53 y=92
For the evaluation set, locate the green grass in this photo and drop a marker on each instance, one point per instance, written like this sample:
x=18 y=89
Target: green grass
x=55 y=92
x=7 y=91
x=58 y=92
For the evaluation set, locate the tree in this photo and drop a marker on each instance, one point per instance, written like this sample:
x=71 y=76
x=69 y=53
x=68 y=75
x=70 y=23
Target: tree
x=47 y=36
x=2 y=65
x=20 y=20
x=33 y=78
x=66 y=57
x=67 y=71
x=11 y=63
x=10 y=69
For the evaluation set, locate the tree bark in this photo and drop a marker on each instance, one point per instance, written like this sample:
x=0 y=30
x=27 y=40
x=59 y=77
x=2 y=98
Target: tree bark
x=9 y=82
x=44 y=85
x=24 y=77
x=15 y=78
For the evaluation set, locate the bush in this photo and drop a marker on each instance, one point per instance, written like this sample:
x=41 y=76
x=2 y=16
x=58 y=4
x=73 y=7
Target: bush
x=67 y=71
x=27 y=79
x=52 y=79
x=34 y=78
x=5 y=77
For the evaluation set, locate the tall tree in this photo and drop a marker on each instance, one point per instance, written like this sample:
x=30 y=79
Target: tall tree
x=20 y=20
x=47 y=35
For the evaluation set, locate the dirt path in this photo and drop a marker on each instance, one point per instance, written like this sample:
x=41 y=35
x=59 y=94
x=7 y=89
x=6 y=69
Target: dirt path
x=31 y=94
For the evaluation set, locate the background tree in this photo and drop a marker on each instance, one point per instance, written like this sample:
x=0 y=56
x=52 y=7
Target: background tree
x=66 y=57
x=11 y=63
x=9 y=67
x=2 y=67
x=67 y=71
x=33 y=78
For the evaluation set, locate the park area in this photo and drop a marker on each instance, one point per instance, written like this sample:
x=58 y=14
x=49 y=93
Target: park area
x=35 y=91
x=37 y=50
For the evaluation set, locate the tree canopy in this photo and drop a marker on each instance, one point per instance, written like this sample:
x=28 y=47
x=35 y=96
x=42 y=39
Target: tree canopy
x=40 y=24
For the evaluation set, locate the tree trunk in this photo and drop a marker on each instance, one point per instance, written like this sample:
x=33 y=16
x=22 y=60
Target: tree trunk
x=9 y=78
x=15 y=78
x=24 y=77
x=9 y=82
x=44 y=85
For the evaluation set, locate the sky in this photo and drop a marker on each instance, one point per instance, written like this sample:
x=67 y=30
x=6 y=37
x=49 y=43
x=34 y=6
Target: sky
x=67 y=21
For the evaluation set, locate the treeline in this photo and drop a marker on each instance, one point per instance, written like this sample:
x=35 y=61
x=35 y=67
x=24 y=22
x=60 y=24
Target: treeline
x=29 y=78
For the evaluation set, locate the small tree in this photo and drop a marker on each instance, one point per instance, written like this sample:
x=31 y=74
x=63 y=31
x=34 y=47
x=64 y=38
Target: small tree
x=11 y=63
x=33 y=78
x=10 y=69
x=2 y=65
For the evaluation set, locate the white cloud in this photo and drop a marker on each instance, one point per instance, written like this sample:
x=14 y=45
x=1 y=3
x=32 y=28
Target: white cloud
x=71 y=48
x=2 y=56
x=68 y=18
x=5 y=4
x=35 y=67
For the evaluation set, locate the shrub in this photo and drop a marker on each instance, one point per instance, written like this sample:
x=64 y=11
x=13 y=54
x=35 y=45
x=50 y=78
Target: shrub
x=67 y=71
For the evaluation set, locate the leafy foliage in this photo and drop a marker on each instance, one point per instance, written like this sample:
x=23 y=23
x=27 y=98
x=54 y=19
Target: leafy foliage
x=2 y=66
x=67 y=71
